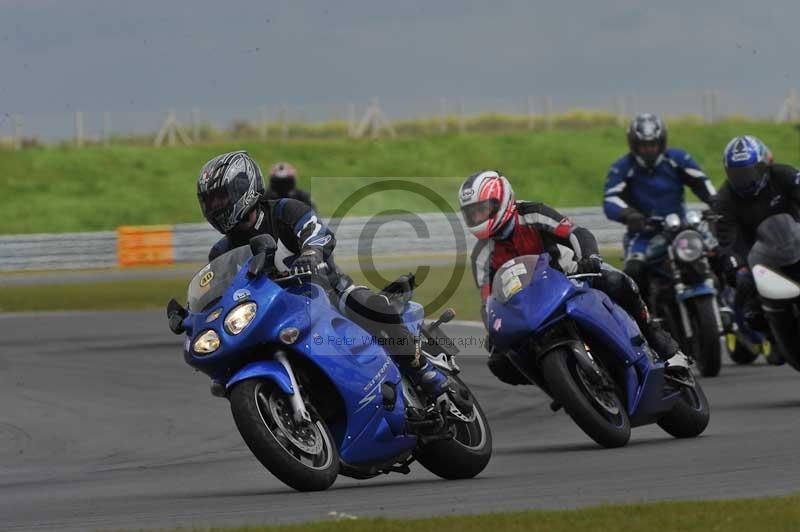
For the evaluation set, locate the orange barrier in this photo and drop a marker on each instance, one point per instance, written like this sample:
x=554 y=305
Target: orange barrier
x=144 y=245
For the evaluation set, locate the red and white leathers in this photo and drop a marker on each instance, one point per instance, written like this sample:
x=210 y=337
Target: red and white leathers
x=507 y=229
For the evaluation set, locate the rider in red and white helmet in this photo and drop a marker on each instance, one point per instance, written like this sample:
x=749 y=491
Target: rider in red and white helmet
x=507 y=229
x=487 y=202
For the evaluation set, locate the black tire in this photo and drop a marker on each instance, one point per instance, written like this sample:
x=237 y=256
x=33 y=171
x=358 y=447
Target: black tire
x=253 y=403
x=467 y=454
x=741 y=352
x=706 y=345
x=787 y=338
x=690 y=415
x=582 y=403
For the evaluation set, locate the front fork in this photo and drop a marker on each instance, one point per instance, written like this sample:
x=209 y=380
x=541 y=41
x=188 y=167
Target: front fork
x=301 y=415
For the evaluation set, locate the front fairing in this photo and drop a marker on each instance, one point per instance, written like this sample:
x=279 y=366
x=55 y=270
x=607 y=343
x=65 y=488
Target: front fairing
x=277 y=309
x=355 y=362
x=534 y=305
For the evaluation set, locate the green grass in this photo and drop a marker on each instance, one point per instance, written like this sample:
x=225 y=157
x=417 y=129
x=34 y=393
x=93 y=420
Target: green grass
x=745 y=515
x=58 y=189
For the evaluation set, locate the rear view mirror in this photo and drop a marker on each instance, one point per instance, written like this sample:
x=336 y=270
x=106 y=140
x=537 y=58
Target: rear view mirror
x=263 y=248
x=175 y=314
x=263 y=244
x=257 y=265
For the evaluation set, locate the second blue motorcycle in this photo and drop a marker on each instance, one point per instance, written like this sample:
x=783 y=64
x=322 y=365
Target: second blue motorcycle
x=588 y=354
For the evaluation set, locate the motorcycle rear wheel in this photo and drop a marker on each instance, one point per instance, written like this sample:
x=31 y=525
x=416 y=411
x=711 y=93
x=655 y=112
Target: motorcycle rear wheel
x=302 y=456
x=599 y=413
x=740 y=351
x=464 y=456
x=689 y=417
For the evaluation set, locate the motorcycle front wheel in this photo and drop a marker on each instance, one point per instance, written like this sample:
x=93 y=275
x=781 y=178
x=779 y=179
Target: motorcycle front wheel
x=301 y=455
x=706 y=347
x=599 y=412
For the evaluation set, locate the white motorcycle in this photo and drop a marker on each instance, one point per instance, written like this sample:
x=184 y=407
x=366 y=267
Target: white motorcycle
x=775 y=263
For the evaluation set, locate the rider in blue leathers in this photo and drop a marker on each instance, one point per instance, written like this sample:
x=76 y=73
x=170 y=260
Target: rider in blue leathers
x=648 y=181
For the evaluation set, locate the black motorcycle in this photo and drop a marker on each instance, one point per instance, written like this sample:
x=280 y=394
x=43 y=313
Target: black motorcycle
x=683 y=289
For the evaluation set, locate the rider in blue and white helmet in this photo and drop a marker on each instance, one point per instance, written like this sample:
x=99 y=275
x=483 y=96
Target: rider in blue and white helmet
x=756 y=189
x=747 y=162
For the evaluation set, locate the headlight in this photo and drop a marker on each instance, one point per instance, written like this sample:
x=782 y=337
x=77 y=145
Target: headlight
x=693 y=218
x=240 y=317
x=688 y=246
x=672 y=221
x=206 y=343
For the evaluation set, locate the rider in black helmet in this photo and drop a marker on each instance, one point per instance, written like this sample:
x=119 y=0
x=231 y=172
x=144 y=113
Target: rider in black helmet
x=230 y=190
x=283 y=184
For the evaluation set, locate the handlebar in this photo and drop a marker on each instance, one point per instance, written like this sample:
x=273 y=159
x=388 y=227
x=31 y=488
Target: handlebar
x=292 y=278
x=582 y=275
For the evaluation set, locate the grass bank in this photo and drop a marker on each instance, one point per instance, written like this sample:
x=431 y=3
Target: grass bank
x=58 y=189
x=745 y=515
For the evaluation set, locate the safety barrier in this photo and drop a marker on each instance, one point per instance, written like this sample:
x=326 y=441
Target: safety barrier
x=429 y=233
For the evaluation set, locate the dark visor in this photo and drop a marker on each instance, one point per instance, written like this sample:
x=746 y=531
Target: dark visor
x=746 y=179
x=477 y=213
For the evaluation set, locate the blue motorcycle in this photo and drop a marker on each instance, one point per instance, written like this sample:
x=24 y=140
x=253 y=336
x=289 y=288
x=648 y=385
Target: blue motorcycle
x=312 y=394
x=588 y=354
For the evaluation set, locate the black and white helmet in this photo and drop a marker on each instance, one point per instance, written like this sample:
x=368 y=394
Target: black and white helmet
x=229 y=186
x=647 y=139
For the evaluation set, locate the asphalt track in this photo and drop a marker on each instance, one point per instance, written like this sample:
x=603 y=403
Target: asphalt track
x=103 y=426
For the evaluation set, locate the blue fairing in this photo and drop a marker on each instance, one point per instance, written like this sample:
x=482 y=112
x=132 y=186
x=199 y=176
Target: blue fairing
x=268 y=369
x=355 y=364
x=532 y=306
x=551 y=297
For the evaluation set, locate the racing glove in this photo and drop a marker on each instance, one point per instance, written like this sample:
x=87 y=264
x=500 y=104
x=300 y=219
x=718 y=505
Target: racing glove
x=730 y=268
x=590 y=264
x=634 y=220
x=308 y=261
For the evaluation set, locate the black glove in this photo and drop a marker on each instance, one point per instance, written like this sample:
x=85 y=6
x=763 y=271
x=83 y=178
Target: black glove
x=308 y=261
x=634 y=220
x=730 y=266
x=590 y=264
x=403 y=285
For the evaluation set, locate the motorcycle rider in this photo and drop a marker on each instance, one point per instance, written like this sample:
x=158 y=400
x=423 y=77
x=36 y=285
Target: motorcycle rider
x=230 y=190
x=756 y=188
x=506 y=229
x=649 y=181
x=283 y=184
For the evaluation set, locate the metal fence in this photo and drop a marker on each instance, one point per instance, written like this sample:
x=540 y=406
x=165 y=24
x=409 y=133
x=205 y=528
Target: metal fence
x=386 y=237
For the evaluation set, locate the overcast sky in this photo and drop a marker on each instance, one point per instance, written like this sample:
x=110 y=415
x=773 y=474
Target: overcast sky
x=139 y=57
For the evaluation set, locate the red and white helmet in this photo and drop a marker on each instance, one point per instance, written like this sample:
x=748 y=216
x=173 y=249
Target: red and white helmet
x=487 y=203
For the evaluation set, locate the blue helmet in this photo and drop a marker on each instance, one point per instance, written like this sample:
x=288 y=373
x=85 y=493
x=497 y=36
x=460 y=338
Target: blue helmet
x=747 y=161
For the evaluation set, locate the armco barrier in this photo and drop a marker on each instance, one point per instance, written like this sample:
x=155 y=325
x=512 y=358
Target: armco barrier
x=145 y=245
x=154 y=245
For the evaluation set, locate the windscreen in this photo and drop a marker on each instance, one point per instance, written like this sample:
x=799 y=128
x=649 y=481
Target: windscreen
x=208 y=285
x=513 y=276
x=778 y=242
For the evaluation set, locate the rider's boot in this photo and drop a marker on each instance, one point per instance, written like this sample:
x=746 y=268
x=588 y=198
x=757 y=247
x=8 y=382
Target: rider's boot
x=435 y=383
x=664 y=345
